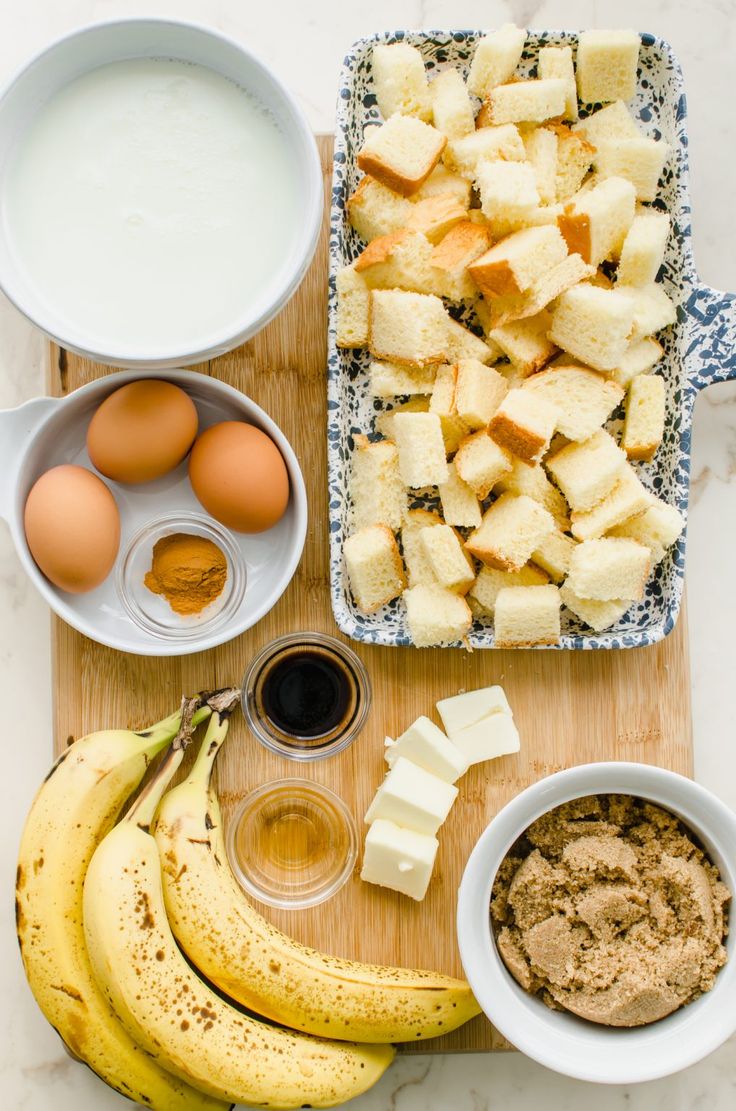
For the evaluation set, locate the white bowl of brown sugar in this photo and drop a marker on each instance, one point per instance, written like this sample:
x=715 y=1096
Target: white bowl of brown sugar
x=593 y=922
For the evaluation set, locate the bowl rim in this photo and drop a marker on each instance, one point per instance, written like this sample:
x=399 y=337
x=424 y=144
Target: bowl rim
x=630 y=1055
x=307 y=230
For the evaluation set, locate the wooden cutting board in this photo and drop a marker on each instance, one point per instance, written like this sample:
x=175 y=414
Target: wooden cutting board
x=571 y=707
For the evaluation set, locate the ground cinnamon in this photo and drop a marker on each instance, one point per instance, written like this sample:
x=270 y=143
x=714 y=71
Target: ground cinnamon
x=190 y=571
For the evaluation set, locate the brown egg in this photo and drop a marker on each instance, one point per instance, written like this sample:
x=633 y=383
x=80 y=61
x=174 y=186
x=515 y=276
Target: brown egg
x=240 y=477
x=142 y=431
x=72 y=527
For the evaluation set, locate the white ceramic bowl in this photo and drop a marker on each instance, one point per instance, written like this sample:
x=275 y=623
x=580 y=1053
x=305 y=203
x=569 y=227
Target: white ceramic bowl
x=96 y=45
x=559 y=1040
x=48 y=431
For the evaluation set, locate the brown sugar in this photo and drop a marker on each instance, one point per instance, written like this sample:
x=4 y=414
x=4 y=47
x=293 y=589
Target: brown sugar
x=608 y=908
x=190 y=571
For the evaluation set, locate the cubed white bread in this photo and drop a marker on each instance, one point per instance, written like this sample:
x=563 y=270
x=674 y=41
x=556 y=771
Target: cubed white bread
x=627 y=499
x=523 y=424
x=385 y=420
x=526 y=343
x=609 y=569
x=584 y=399
x=353 y=303
x=422 y=460
x=400 y=81
x=464 y=344
x=598 y=615
x=533 y=482
x=442 y=404
x=596 y=221
x=401 y=260
x=653 y=309
x=398 y=858
x=374 y=566
x=587 y=472
x=640 y=161
x=436 y=616
x=496 y=57
x=442 y=180
x=418 y=568
x=479 y=390
x=374 y=209
x=540 y=144
x=407 y=328
x=485 y=145
x=644 y=424
x=606 y=65
x=527 y=101
x=453 y=255
x=556 y=61
x=435 y=216
x=643 y=249
x=393 y=380
x=657 y=528
x=574 y=159
x=517 y=261
x=507 y=189
x=639 y=358
x=510 y=531
x=450 y=563
x=614 y=121
x=377 y=491
x=460 y=506
x=484 y=590
x=547 y=288
x=451 y=106
x=527 y=615
x=480 y=462
x=593 y=325
x=402 y=153
x=554 y=555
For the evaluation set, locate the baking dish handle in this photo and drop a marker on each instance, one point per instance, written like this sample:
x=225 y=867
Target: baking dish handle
x=17 y=427
x=712 y=341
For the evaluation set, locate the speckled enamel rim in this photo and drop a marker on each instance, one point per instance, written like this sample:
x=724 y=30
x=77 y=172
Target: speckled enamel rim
x=699 y=350
x=556 y=1039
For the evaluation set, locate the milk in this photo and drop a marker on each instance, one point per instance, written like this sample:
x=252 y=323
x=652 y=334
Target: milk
x=149 y=203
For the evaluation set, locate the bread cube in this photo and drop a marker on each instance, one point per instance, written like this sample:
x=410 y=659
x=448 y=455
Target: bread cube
x=574 y=159
x=385 y=420
x=400 y=80
x=599 y=615
x=533 y=481
x=479 y=390
x=639 y=160
x=595 y=221
x=401 y=260
x=644 y=424
x=526 y=616
x=638 y=358
x=402 y=153
x=657 y=528
x=547 y=288
x=653 y=310
x=507 y=189
x=451 y=107
x=422 y=460
x=484 y=590
x=586 y=472
x=627 y=499
x=510 y=531
x=443 y=181
x=643 y=249
x=436 y=616
x=418 y=567
x=556 y=61
x=459 y=503
x=480 y=463
x=584 y=399
x=527 y=101
x=374 y=209
x=516 y=262
x=610 y=568
x=435 y=216
x=353 y=303
x=540 y=145
x=554 y=555
x=526 y=343
x=376 y=488
x=407 y=328
x=593 y=325
x=614 y=121
x=398 y=858
x=464 y=344
x=374 y=566
x=442 y=404
x=454 y=254
x=523 y=424
x=496 y=57
x=393 y=380
x=607 y=63
x=451 y=565
x=488 y=144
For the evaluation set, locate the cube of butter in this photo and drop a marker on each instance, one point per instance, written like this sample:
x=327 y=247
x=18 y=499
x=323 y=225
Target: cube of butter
x=398 y=858
x=412 y=798
x=465 y=709
x=492 y=736
x=426 y=745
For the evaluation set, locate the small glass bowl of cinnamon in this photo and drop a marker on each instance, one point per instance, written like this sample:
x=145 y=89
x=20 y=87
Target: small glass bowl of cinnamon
x=181 y=575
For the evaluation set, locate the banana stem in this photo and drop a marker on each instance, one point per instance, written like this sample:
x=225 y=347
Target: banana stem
x=213 y=741
x=144 y=808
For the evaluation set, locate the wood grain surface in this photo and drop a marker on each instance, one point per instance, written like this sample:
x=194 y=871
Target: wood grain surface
x=571 y=707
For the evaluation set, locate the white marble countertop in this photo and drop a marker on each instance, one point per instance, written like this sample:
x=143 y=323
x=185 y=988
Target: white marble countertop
x=312 y=39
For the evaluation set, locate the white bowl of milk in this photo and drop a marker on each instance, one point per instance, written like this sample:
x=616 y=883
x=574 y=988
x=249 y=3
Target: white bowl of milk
x=160 y=193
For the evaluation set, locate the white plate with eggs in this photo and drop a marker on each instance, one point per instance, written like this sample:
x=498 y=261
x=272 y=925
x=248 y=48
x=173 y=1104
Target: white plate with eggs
x=106 y=599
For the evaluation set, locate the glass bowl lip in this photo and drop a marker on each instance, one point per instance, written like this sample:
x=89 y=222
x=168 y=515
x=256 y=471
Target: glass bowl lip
x=322 y=894
x=181 y=521
x=309 y=638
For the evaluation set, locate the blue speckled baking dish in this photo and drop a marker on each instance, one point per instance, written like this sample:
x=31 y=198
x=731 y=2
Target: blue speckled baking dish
x=699 y=348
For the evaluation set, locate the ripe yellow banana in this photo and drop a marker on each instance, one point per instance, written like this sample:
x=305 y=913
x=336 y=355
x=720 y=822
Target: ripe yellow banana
x=178 y=1018
x=260 y=967
x=75 y=807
